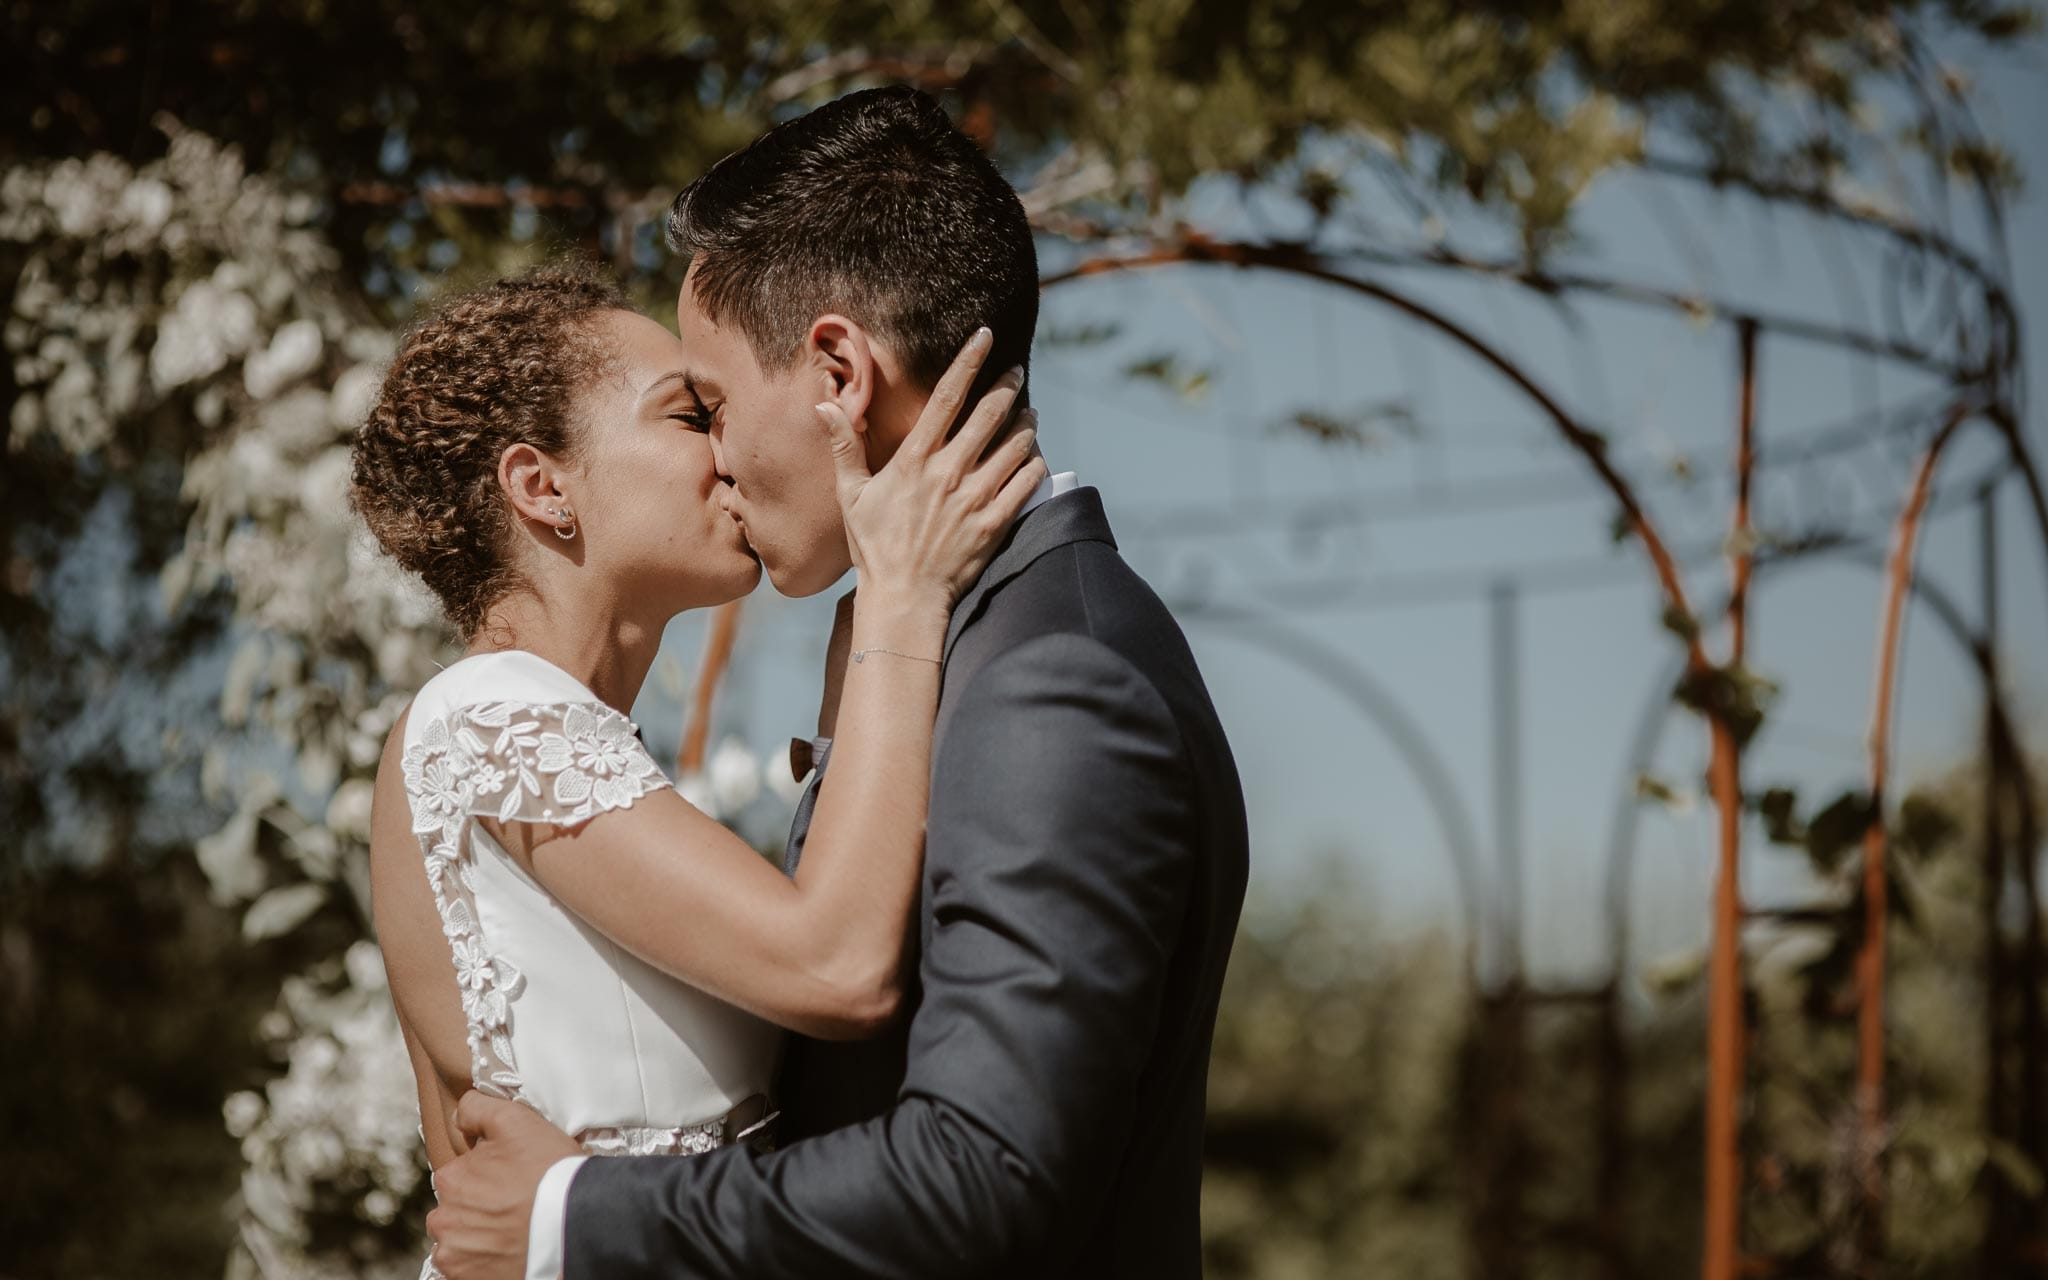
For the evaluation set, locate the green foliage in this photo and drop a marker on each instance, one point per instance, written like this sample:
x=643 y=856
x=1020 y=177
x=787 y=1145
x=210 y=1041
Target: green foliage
x=1170 y=372
x=1658 y=791
x=1357 y=1088
x=1925 y=827
x=1734 y=694
x=1092 y=334
x=1779 y=807
x=1838 y=828
x=1678 y=622
x=1334 y=1126
x=570 y=110
x=1364 y=426
x=1803 y=1049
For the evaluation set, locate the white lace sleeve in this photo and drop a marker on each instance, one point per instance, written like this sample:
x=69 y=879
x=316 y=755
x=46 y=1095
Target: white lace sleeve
x=559 y=763
x=517 y=762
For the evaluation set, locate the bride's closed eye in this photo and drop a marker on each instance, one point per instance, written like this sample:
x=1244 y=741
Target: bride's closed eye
x=697 y=418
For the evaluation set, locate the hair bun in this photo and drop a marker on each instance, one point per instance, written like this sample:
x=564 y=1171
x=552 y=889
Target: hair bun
x=488 y=368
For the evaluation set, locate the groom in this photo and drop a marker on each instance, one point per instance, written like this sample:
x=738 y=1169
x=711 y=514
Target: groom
x=1038 y=1110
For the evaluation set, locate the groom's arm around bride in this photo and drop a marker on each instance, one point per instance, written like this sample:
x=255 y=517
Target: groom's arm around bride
x=1052 y=1100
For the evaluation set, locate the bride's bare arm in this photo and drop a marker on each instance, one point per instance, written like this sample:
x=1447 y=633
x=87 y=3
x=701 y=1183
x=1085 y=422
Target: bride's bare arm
x=822 y=953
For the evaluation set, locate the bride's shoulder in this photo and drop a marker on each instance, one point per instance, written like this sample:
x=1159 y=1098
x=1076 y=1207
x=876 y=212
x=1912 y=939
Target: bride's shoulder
x=510 y=735
x=505 y=676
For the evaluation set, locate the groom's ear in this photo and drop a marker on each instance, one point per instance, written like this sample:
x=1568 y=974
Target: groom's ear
x=844 y=356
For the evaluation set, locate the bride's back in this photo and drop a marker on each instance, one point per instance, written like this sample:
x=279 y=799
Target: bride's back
x=551 y=1012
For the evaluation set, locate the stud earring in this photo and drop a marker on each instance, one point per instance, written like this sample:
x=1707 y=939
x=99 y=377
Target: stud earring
x=567 y=529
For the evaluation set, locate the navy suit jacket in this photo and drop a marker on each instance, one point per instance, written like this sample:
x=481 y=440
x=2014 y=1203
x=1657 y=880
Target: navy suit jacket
x=1040 y=1111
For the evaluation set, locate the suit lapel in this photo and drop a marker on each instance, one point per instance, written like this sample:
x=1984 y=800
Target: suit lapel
x=1076 y=516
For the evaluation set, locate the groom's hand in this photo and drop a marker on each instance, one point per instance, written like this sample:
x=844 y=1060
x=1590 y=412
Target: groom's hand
x=486 y=1196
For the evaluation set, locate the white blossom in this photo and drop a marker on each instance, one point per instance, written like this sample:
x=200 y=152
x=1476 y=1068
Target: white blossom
x=696 y=788
x=781 y=783
x=241 y=1111
x=735 y=776
x=337 y=1133
x=190 y=292
x=209 y=326
x=294 y=352
x=364 y=964
x=348 y=813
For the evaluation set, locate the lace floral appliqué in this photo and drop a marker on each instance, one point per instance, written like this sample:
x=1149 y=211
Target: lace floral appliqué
x=561 y=763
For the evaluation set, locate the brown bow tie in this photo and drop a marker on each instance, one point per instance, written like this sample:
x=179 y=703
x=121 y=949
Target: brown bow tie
x=804 y=755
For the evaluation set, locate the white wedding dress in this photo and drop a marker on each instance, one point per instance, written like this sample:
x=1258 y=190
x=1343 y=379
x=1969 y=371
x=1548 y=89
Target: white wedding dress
x=610 y=1049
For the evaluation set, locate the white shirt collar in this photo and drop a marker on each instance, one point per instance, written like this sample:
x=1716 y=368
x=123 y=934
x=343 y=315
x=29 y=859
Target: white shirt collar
x=1049 y=488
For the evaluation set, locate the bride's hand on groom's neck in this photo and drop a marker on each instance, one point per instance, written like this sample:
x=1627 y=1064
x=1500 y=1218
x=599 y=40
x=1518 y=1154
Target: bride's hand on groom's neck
x=920 y=529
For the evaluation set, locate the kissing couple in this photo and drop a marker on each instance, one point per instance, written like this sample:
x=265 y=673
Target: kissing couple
x=964 y=1028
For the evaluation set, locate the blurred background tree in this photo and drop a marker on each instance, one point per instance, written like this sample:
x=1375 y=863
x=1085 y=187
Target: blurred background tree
x=212 y=215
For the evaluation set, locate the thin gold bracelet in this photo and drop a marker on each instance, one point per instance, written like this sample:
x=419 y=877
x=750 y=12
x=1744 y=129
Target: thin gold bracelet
x=860 y=654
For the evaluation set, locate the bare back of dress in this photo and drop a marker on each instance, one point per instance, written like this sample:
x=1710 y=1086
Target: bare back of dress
x=610 y=1049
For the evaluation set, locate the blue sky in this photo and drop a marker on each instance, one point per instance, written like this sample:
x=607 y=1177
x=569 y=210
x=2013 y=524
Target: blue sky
x=1219 y=512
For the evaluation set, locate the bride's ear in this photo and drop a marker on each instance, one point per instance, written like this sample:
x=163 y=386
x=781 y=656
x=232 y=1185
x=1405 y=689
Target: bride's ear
x=844 y=357
x=533 y=483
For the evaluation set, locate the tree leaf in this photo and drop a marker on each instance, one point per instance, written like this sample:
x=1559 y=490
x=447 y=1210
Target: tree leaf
x=1779 y=809
x=1837 y=829
x=1677 y=621
x=1925 y=827
x=1733 y=693
x=1191 y=385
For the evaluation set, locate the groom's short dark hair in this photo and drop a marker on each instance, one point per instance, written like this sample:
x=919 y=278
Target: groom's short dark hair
x=873 y=206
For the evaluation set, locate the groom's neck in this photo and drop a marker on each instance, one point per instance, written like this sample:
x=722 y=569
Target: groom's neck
x=890 y=416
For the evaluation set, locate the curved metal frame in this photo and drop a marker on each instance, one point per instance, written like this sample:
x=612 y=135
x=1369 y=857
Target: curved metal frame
x=1383 y=711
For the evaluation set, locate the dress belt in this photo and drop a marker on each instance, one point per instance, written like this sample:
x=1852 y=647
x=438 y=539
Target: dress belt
x=748 y=1122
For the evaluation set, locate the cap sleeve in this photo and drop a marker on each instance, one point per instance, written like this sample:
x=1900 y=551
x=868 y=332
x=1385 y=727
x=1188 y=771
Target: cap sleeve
x=560 y=763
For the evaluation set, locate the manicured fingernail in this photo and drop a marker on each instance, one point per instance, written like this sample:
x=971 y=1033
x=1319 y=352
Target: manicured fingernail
x=824 y=407
x=983 y=337
x=1015 y=376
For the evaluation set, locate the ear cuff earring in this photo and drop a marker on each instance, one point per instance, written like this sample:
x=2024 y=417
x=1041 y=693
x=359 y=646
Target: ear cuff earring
x=567 y=529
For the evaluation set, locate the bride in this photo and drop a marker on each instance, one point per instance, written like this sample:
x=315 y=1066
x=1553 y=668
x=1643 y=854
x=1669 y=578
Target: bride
x=560 y=926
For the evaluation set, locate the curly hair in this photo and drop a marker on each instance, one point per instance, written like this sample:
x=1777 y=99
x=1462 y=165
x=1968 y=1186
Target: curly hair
x=491 y=367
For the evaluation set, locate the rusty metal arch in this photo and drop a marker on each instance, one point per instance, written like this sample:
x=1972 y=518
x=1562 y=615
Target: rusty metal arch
x=1658 y=709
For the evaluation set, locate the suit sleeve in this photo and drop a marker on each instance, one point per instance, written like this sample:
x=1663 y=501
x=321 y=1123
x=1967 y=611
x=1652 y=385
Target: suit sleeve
x=1060 y=866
